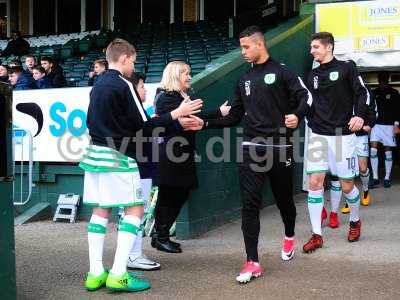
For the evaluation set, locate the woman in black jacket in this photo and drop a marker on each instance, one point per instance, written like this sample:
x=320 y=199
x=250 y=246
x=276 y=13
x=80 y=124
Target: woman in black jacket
x=176 y=173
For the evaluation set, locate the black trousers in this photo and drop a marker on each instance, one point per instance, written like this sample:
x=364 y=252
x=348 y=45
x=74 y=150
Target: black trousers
x=169 y=203
x=258 y=163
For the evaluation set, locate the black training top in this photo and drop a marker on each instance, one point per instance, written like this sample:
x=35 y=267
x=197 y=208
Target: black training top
x=388 y=104
x=339 y=93
x=264 y=95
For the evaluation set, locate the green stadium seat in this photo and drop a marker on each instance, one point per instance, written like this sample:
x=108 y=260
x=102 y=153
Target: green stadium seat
x=74 y=74
x=155 y=68
x=198 y=65
x=66 y=52
x=82 y=83
x=101 y=41
x=82 y=67
x=153 y=78
x=73 y=81
x=153 y=60
x=177 y=57
x=84 y=46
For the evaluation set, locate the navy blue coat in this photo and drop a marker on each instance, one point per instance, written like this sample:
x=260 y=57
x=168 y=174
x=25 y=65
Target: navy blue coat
x=44 y=83
x=25 y=82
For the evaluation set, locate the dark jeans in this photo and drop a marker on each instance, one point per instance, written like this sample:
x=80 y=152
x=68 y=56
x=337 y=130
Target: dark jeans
x=258 y=163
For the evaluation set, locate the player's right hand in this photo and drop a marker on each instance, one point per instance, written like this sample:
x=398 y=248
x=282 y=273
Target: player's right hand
x=356 y=123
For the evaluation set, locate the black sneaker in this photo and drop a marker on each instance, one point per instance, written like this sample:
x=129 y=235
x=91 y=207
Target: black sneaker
x=374 y=183
x=387 y=183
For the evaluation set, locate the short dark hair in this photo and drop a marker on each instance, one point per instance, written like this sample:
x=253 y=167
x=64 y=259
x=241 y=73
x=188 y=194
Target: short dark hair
x=39 y=68
x=383 y=77
x=16 y=62
x=249 y=31
x=17 y=33
x=325 y=38
x=48 y=59
x=16 y=70
x=5 y=66
x=136 y=77
x=102 y=62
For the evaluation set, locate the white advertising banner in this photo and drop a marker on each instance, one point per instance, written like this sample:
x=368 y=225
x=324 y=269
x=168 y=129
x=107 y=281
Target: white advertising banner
x=56 y=119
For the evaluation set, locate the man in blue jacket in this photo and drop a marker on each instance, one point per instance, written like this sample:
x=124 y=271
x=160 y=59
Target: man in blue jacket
x=19 y=80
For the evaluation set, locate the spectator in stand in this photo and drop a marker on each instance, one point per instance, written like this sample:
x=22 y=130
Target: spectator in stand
x=16 y=46
x=4 y=73
x=18 y=81
x=15 y=63
x=41 y=80
x=30 y=62
x=100 y=65
x=27 y=76
x=54 y=72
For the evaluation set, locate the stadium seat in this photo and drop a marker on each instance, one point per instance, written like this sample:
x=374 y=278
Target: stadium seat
x=82 y=67
x=153 y=60
x=74 y=74
x=155 y=68
x=153 y=78
x=82 y=83
x=66 y=52
x=177 y=57
x=198 y=66
x=84 y=46
x=198 y=59
x=73 y=81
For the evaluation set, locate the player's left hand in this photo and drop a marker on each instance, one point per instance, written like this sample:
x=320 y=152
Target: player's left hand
x=367 y=128
x=396 y=129
x=224 y=108
x=356 y=123
x=291 y=121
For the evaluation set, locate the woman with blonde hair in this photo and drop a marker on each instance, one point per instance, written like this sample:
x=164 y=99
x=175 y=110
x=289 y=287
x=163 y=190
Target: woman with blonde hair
x=176 y=175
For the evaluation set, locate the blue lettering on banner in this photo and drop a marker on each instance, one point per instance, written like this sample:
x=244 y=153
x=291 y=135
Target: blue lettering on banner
x=63 y=124
x=380 y=12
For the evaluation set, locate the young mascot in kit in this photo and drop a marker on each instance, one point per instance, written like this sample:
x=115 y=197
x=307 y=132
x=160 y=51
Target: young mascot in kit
x=112 y=179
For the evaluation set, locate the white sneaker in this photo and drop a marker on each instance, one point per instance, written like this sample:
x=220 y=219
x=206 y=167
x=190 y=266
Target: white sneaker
x=142 y=263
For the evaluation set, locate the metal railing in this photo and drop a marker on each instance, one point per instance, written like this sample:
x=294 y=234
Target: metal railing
x=18 y=137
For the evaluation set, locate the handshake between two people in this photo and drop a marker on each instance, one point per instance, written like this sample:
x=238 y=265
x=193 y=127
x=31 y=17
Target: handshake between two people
x=188 y=108
x=194 y=123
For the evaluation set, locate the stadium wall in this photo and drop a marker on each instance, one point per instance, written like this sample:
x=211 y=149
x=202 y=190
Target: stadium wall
x=217 y=201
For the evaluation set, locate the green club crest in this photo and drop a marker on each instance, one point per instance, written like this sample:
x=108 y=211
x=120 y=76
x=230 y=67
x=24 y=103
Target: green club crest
x=139 y=193
x=333 y=76
x=269 y=78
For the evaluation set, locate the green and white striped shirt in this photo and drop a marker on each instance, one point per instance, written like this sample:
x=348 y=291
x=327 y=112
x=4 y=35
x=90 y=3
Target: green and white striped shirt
x=104 y=159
